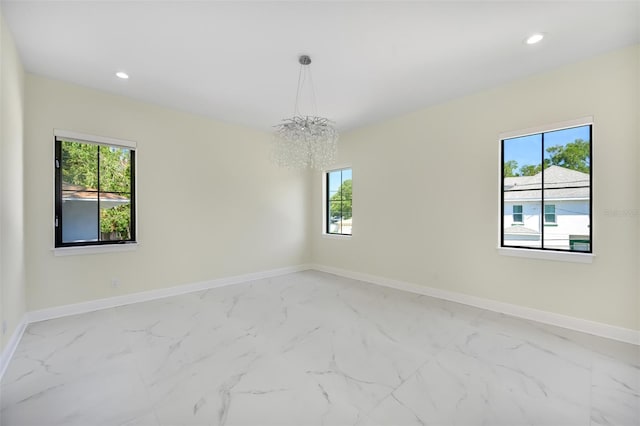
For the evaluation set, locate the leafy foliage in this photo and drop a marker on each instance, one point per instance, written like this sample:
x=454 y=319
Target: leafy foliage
x=114 y=222
x=80 y=163
x=340 y=202
x=510 y=168
x=574 y=155
x=530 y=170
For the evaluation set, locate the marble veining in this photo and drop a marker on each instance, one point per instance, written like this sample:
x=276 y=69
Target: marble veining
x=314 y=349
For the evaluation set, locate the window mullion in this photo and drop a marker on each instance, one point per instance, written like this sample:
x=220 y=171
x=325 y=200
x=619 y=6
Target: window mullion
x=98 y=189
x=542 y=193
x=58 y=203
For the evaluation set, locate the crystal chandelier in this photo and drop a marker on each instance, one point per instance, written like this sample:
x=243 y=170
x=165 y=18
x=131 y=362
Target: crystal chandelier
x=305 y=141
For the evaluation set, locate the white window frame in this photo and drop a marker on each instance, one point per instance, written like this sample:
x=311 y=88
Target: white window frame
x=555 y=216
x=513 y=214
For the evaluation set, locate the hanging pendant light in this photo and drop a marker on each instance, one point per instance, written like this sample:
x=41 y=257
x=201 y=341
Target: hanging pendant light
x=305 y=141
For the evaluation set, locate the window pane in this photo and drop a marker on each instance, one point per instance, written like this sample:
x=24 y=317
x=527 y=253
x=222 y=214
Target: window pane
x=95 y=188
x=79 y=215
x=115 y=169
x=550 y=213
x=567 y=159
x=339 y=192
x=79 y=165
x=522 y=158
x=335 y=210
x=335 y=181
x=345 y=225
x=346 y=175
x=522 y=183
x=115 y=219
x=522 y=229
x=517 y=214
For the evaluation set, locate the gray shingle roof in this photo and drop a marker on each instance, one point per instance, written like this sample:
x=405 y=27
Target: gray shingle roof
x=519 y=229
x=559 y=183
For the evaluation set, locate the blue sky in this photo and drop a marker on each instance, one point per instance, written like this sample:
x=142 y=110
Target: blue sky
x=526 y=149
x=335 y=181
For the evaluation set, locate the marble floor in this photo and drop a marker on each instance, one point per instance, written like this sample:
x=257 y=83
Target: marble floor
x=314 y=349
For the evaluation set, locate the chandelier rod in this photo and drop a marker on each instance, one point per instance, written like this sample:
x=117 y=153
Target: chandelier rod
x=305 y=70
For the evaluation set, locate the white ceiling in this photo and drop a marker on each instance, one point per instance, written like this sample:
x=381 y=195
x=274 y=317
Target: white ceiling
x=237 y=61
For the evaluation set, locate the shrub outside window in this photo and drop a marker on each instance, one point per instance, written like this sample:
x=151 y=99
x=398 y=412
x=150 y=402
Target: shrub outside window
x=95 y=193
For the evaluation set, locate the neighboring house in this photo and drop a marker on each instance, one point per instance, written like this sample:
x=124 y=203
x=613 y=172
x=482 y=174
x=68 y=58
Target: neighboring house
x=566 y=210
x=80 y=211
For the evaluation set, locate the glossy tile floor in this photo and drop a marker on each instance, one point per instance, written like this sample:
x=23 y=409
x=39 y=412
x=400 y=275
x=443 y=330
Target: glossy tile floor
x=314 y=349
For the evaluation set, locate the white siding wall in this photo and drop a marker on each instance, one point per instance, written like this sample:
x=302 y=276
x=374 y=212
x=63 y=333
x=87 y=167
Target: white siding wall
x=572 y=218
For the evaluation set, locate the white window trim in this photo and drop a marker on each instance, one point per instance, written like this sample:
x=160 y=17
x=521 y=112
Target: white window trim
x=576 y=257
x=98 y=140
x=87 y=138
x=323 y=228
x=107 y=248
x=584 y=121
x=555 y=215
x=513 y=214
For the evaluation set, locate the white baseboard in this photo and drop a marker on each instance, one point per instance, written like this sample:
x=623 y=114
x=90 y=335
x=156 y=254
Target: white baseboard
x=127 y=299
x=12 y=344
x=578 y=324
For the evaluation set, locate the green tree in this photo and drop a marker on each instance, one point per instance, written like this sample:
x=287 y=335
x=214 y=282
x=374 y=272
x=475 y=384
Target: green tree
x=340 y=202
x=574 y=155
x=510 y=168
x=80 y=162
x=530 y=170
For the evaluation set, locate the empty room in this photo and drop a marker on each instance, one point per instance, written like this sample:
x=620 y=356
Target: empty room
x=331 y=213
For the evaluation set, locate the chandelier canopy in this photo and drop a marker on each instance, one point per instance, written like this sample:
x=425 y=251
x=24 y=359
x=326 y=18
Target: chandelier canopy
x=305 y=141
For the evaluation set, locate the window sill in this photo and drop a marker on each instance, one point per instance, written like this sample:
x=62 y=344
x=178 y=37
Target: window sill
x=550 y=224
x=109 y=248
x=547 y=255
x=336 y=236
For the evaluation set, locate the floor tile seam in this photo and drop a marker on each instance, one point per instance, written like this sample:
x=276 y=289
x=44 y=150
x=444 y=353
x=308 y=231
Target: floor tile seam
x=301 y=369
x=450 y=344
x=486 y=364
x=585 y=361
x=138 y=357
x=403 y=381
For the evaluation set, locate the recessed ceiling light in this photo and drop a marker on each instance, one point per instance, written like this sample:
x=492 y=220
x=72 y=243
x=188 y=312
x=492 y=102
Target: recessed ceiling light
x=123 y=75
x=535 y=38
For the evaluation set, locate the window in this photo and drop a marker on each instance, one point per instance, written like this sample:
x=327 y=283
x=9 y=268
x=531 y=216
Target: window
x=338 y=202
x=547 y=175
x=94 y=191
x=549 y=214
x=517 y=214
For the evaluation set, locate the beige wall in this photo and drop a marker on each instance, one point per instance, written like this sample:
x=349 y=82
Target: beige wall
x=210 y=204
x=434 y=173
x=12 y=225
